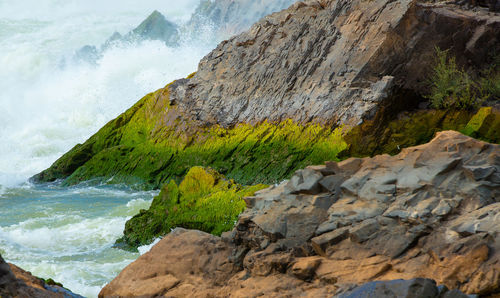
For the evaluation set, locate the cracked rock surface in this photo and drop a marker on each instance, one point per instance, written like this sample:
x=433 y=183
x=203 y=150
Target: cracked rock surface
x=428 y=216
x=332 y=61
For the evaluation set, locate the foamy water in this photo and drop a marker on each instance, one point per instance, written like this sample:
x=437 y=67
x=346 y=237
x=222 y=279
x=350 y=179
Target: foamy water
x=49 y=102
x=68 y=234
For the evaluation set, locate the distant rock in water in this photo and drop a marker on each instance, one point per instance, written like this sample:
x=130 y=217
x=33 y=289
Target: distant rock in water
x=229 y=17
x=88 y=54
x=154 y=27
x=425 y=217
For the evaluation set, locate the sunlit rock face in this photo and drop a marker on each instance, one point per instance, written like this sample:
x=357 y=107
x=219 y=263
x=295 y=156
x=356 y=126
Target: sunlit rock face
x=428 y=215
x=333 y=62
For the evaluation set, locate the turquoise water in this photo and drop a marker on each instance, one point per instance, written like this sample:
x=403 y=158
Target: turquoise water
x=67 y=233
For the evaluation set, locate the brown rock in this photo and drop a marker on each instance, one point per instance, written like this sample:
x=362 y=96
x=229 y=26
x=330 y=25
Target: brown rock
x=15 y=282
x=305 y=268
x=332 y=62
x=440 y=223
x=320 y=243
x=182 y=258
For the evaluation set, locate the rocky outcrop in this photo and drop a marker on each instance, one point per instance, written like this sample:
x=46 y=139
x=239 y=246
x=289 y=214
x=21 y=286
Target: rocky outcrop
x=334 y=62
x=205 y=200
x=429 y=212
x=15 y=282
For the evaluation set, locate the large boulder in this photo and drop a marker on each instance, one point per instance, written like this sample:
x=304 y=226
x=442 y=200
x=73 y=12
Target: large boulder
x=333 y=61
x=415 y=224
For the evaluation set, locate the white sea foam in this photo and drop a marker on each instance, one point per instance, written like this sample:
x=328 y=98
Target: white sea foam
x=49 y=102
x=145 y=248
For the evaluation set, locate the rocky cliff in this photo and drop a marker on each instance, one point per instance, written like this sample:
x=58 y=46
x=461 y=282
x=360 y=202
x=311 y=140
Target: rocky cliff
x=333 y=62
x=429 y=212
x=303 y=76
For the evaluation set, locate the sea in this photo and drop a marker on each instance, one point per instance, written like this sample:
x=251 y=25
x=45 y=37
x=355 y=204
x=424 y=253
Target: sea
x=49 y=102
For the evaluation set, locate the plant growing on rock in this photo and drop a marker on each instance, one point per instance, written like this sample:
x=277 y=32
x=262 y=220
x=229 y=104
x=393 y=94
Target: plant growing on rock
x=452 y=87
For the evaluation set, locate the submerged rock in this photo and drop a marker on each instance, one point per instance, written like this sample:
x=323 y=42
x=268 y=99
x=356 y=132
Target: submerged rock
x=402 y=224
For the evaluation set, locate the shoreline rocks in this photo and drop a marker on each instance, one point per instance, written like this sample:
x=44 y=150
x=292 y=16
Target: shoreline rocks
x=15 y=282
x=428 y=213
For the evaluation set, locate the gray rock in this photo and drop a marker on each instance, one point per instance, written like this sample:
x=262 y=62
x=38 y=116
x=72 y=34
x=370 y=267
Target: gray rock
x=364 y=231
x=156 y=27
x=414 y=288
x=316 y=62
x=332 y=183
x=320 y=243
x=305 y=181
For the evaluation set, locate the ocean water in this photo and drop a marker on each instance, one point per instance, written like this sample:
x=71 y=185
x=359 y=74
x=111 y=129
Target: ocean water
x=48 y=103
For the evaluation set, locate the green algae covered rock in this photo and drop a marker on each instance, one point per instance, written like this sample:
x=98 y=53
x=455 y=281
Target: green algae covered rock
x=418 y=127
x=204 y=200
x=152 y=143
x=484 y=125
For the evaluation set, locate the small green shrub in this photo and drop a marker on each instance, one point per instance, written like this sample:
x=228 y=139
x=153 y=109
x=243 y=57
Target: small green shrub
x=490 y=80
x=452 y=87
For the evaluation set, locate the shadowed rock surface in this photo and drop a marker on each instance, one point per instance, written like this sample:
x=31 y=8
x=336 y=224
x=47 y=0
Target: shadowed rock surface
x=15 y=282
x=429 y=212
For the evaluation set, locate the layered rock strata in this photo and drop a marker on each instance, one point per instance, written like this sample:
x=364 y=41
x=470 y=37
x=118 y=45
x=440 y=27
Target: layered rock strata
x=429 y=212
x=332 y=61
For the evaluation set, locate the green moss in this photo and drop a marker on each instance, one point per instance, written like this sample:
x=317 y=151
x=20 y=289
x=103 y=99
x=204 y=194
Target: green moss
x=485 y=125
x=415 y=128
x=204 y=200
x=152 y=143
